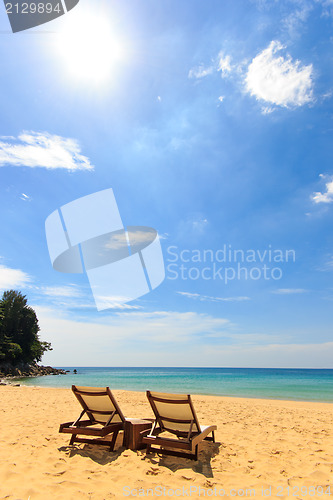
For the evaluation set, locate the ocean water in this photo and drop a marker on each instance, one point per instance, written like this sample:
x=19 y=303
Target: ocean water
x=271 y=383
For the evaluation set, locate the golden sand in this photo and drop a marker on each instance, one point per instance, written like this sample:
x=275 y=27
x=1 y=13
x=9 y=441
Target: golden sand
x=264 y=449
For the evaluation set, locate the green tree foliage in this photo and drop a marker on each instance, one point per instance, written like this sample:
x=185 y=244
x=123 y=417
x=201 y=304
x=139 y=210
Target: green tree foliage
x=19 y=340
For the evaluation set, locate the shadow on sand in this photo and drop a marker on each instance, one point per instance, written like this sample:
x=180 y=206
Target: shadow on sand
x=102 y=456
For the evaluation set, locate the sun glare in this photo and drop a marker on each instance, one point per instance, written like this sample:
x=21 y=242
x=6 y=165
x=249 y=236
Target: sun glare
x=88 y=47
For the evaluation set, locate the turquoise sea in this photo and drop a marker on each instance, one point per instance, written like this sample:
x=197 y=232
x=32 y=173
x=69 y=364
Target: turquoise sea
x=271 y=383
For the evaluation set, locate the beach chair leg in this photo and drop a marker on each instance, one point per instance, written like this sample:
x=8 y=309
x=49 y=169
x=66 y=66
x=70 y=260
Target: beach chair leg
x=72 y=439
x=210 y=438
x=148 y=449
x=114 y=439
x=196 y=453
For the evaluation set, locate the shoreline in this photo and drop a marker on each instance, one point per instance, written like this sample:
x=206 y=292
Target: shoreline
x=192 y=394
x=3 y=382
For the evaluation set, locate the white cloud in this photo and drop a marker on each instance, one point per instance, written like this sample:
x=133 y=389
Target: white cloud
x=193 y=224
x=327 y=196
x=172 y=326
x=118 y=302
x=327 y=265
x=71 y=297
x=25 y=197
x=41 y=149
x=267 y=110
x=221 y=63
x=169 y=339
x=200 y=71
x=279 y=80
x=224 y=64
x=289 y=291
x=208 y=298
x=327 y=6
x=199 y=224
x=66 y=298
x=159 y=337
x=296 y=19
x=12 y=278
x=61 y=291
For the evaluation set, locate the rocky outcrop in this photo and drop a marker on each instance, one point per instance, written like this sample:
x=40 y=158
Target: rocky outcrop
x=7 y=370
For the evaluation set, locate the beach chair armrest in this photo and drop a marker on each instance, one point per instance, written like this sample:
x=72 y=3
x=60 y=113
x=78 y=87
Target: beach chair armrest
x=65 y=427
x=203 y=434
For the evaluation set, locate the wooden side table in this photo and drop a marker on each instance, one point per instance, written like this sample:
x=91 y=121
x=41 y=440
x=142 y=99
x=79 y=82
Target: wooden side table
x=133 y=427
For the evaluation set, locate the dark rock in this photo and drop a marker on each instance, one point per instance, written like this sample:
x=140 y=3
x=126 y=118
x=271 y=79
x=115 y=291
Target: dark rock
x=7 y=370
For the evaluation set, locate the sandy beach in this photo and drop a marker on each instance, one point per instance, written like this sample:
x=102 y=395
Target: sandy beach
x=264 y=448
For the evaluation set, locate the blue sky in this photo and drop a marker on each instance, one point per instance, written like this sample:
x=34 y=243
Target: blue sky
x=212 y=123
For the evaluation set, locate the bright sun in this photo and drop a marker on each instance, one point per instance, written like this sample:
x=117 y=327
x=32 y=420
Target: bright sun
x=88 y=47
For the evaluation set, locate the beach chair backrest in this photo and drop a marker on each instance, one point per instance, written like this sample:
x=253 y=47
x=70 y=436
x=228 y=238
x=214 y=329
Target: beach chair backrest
x=100 y=404
x=174 y=412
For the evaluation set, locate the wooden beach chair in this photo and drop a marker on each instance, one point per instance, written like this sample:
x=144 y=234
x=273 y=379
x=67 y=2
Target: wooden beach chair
x=104 y=417
x=175 y=414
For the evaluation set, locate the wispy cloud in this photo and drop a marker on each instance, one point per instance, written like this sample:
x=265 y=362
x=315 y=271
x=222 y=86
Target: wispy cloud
x=25 y=197
x=208 y=298
x=326 y=196
x=199 y=224
x=221 y=63
x=158 y=336
x=294 y=21
x=279 y=80
x=272 y=77
x=327 y=265
x=12 y=278
x=267 y=110
x=118 y=302
x=41 y=149
x=76 y=298
x=194 y=224
x=224 y=64
x=289 y=291
x=201 y=71
x=327 y=6
x=162 y=327
x=61 y=291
